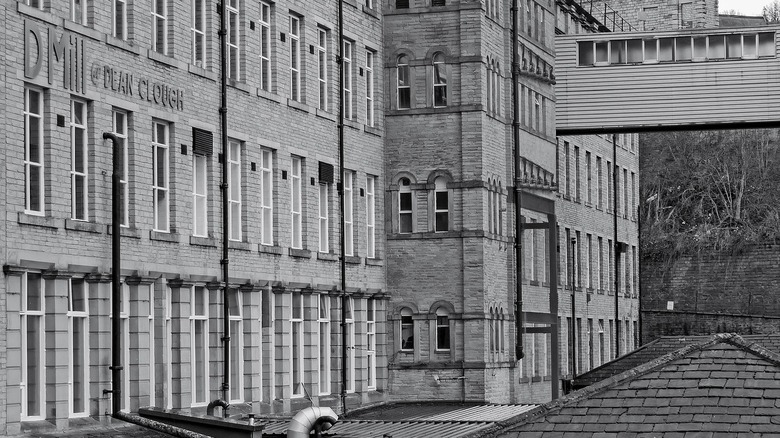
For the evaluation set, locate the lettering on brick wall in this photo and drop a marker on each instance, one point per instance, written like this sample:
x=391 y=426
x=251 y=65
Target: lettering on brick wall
x=130 y=85
x=67 y=49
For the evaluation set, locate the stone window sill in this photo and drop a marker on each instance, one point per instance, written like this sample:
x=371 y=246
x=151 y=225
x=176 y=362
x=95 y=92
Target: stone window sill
x=300 y=253
x=163 y=237
x=37 y=221
x=267 y=249
x=330 y=257
x=203 y=241
x=89 y=227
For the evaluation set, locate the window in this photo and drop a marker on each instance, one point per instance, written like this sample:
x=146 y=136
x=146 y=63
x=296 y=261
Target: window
x=267 y=197
x=439 y=81
x=403 y=85
x=601 y=264
x=199 y=345
x=369 y=87
x=496 y=88
x=235 y=231
x=369 y=4
x=160 y=184
x=34 y=3
x=199 y=33
x=612 y=351
x=567 y=168
x=405 y=207
x=79 y=152
x=233 y=39
x=160 y=26
x=200 y=195
x=371 y=342
x=609 y=186
x=349 y=237
x=370 y=217
x=625 y=193
x=538 y=112
x=33 y=151
x=347 y=66
x=441 y=206
x=489 y=66
x=602 y=351
x=78 y=344
x=438 y=3
x=120 y=19
x=532 y=249
x=32 y=313
x=236 y=346
x=442 y=330
x=402 y=4
x=589 y=172
x=151 y=339
x=686 y=15
x=265 y=46
x=295 y=58
x=577 y=183
x=633 y=195
x=349 y=321
x=407 y=330
x=295 y=209
x=323 y=217
x=296 y=344
x=78 y=11
x=124 y=321
x=323 y=322
x=599 y=183
x=322 y=67
x=589 y=261
x=120 y=131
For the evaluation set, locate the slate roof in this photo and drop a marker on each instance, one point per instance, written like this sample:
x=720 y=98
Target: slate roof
x=723 y=386
x=656 y=349
x=742 y=20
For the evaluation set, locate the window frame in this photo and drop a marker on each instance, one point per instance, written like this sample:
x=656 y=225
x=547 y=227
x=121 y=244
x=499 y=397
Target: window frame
x=79 y=213
x=235 y=193
x=369 y=69
x=296 y=190
x=236 y=347
x=294 y=31
x=371 y=343
x=370 y=216
x=198 y=33
x=404 y=190
x=323 y=221
x=25 y=315
x=79 y=16
x=443 y=332
x=266 y=197
x=406 y=323
x=119 y=129
x=200 y=201
x=296 y=346
x=264 y=22
x=29 y=162
x=82 y=315
x=439 y=80
x=119 y=19
x=323 y=326
x=346 y=58
x=349 y=228
x=403 y=82
x=349 y=326
x=440 y=188
x=164 y=189
x=233 y=39
x=160 y=26
x=195 y=318
x=322 y=67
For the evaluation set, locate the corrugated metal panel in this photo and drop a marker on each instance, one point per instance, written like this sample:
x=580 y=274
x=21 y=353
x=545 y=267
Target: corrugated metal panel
x=489 y=413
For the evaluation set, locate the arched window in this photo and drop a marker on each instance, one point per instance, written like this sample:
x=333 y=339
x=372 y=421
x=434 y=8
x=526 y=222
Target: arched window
x=496 y=89
x=442 y=329
x=403 y=83
x=491 y=210
x=501 y=333
x=407 y=330
x=489 y=85
x=405 y=207
x=441 y=206
x=492 y=331
x=439 y=81
x=497 y=208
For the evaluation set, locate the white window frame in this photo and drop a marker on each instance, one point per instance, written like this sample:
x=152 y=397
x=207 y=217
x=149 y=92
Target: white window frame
x=78 y=317
x=323 y=326
x=119 y=19
x=322 y=67
x=236 y=348
x=349 y=236
x=160 y=26
x=441 y=312
x=76 y=15
x=349 y=326
x=124 y=321
x=151 y=341
x=203 y=318
x=295 y=58
x=406 y=313
x=79 y=212
x=296 y=204
x=25 y=315
x=440 y=187
x=233 y=24
x=161 y=183
x=267 y=197
x=405 y=189
x=296 y=345
x=403 y=81
x=168 y=347
x=371 y=343
x=34 y=3
x=369 y=87
x=235 y=219
x=199 y=33
x=346 y=58
x=265 y=45
x=200 y=203
x=119 y=123
x=439 y=80
x=322 y=221
x=33 y=163
x=370 y=216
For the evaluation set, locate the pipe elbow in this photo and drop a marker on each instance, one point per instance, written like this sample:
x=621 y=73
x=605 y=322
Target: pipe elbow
x=218 y=402
x=312 y=418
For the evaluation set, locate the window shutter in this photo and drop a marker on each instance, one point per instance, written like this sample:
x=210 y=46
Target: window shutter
x=202 y=142
x=326 y=173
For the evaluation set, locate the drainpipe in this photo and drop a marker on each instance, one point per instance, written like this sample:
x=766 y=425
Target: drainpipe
x=344 y=298
x=639 y=266
x=225 y=205
x=519 y=325
x=573 y=310
x=116 y=287
x=615 y=242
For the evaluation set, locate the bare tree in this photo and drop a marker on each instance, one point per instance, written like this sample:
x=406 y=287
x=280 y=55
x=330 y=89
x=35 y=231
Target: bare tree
x=771 y=12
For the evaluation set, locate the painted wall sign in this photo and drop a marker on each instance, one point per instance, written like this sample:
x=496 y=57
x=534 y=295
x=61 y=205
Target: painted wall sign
x=67 y=50
x=129 y=84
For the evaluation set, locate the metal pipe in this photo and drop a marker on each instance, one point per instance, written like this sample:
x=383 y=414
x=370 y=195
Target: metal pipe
x=615 y=242
x=343 y=270
x=573 y=310
x=225 y=205
x=519 y=354
x=116 y=266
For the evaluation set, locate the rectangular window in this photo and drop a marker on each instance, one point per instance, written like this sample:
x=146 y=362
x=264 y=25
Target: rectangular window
x=347 y=66
x=78 y=11
x=32 y=313
x=120 y=131
x=235 y=223
x=609 y=187
x=532 y=249
x=233 y=39
x=403 y=84
x=441 y=206
x=439 y=81
x=34 y=165
x=601 y=264
x=160 y=26
x=371 y=342
x=199 y=33
x=589 y=261
x=538 y=112
x=324 y=357
x=567 y=168
x=267 y=197
x=161 y=178
x=625 y=193
x=295 y=58
x=610 y=266
x=612 y=353
x=633 y=196
x=405 y=206
x=590 y=344
x=199 y=345
x=349 y=237
x=79 y=167
x=349 y=321
x=124 y=322
x=589 y=172
x=599 y=183
x=236 y=346
x=78 y=338
x=296 y=344
x=602 y=349
x=200 y=195
x=369 y=88
x=120 y=19
x=322 y=67
x=578 y=259
x=296 y=204
x=34 y=3
x=265 y=45
x=442 y=331
x=370 y=217
x=407 y=330
x=323 y=217
x=577 y=183
x=686 y=15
